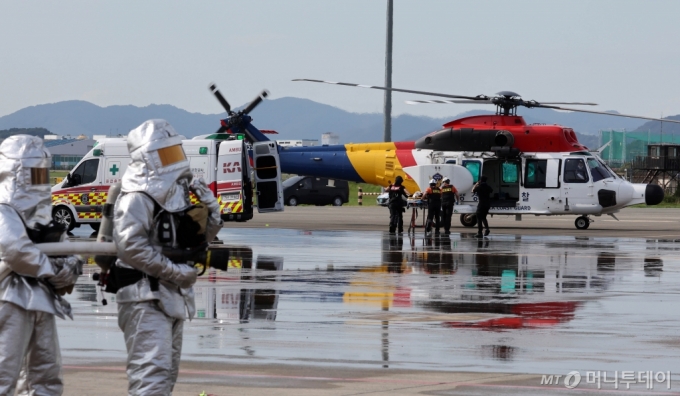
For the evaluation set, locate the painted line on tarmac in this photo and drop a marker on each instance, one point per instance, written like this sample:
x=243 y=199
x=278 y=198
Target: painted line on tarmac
x=247 y=375
x=373 y=380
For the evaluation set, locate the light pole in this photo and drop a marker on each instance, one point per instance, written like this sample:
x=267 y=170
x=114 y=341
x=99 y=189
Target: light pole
x=387 y=132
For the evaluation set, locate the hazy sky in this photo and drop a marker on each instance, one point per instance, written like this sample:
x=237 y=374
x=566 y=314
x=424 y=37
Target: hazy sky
x=624 y=55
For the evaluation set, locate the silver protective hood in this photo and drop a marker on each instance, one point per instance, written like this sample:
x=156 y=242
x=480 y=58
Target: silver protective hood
x=167 y=185
x=18 y=154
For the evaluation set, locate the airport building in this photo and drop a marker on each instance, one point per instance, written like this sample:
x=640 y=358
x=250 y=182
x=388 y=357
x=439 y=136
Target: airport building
x=67 y=152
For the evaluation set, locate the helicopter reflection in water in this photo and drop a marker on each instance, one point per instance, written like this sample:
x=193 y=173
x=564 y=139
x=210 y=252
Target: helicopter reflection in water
x=226 y=298
x=502 y=284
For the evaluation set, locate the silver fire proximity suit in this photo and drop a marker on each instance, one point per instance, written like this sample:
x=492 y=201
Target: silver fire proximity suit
x=30 y=359
x=151 y=311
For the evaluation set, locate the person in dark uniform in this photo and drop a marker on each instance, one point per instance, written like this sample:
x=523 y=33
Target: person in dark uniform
x=396 y=204
x=434 y=206
x=449 y=198
x=483 y=192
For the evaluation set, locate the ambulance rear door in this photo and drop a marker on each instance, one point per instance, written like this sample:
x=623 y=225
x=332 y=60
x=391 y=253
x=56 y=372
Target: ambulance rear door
x=234 y=190
x=267 y=177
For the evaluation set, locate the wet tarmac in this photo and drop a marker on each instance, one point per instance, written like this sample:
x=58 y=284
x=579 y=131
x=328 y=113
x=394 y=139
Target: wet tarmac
x=365 y=299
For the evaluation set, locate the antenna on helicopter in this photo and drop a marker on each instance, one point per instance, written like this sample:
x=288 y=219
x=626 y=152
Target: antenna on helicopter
x=506 y=102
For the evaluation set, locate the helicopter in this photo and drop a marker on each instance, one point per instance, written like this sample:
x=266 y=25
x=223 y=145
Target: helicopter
x=539 y=170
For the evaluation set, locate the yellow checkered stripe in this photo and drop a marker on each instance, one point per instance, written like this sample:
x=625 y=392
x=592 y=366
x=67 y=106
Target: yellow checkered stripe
x=89 y=215
x=76 y=199
x=225 y=207
x=234 y=263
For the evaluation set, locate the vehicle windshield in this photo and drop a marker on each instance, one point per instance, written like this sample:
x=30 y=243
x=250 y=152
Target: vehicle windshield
x=598 y=170
x=293 y=180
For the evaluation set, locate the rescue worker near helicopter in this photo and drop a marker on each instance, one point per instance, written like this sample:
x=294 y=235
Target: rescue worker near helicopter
x=31 y=282
x=449 y=198
x=158 y=296
x=434 y=206
x=396 y=203
x=483 y=192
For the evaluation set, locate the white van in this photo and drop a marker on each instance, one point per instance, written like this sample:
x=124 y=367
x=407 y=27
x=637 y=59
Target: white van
x=223 y=164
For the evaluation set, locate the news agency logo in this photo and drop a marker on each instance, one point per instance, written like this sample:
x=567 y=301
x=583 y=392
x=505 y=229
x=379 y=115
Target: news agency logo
x=571 y=380
x=616 y=379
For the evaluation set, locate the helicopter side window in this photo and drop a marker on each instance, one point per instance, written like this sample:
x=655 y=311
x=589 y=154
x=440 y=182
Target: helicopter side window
x=475 y=168
x=510 y=173
x=535 y=175
x=575 y=171
x=598 y=170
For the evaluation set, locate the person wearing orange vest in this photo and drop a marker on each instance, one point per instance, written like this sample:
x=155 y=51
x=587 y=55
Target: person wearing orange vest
x=434 y=206
x=449 y=198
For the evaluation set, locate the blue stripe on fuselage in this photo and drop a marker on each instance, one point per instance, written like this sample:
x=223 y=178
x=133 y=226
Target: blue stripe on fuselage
x=320 y=161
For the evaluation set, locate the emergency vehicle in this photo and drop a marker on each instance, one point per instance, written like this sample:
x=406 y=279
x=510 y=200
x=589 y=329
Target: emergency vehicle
x=221 y=160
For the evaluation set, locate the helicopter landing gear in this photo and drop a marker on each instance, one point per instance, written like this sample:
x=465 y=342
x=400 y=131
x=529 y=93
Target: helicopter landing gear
x=582 y=222
x=468 y=220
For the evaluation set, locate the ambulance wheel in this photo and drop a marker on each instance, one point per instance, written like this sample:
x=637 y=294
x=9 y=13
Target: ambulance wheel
x=292 y=201
x=468 y=220
x=62 y=215
x=337 y=201
x=95 y=226
x=582 y=223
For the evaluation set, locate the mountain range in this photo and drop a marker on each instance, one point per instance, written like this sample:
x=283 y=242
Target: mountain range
x=292 y=118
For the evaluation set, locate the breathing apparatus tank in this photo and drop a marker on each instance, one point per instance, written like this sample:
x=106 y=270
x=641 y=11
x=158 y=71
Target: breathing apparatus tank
x=201 y=256
x=106 y=227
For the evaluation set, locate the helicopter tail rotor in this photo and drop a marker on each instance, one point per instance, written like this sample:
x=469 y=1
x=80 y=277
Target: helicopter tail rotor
x=239 y=121
x=255 y=102
x=221 y=99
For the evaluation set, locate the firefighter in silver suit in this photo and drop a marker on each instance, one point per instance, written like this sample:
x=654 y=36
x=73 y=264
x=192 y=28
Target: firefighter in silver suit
x=31 y=282
x=158 y=296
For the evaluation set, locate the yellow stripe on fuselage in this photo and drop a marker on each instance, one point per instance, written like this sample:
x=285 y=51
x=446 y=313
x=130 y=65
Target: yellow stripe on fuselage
x=377 y=163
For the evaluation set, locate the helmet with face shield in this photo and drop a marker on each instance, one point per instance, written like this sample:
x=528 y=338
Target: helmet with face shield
x=159 y=166
x=24 y=178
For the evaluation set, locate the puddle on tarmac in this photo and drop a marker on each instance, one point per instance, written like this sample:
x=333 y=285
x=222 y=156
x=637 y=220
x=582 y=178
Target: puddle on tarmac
x=366 y=299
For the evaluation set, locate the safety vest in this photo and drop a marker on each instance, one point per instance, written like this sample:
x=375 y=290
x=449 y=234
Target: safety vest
x=448 y=195
x=434 y=198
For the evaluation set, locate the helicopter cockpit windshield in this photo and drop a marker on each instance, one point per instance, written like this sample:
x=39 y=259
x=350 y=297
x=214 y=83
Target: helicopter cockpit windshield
x=599 y=171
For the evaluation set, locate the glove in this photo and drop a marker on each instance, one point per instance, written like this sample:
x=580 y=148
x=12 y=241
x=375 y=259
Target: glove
x=67 y=270
x=183 y=276
x=201 y=190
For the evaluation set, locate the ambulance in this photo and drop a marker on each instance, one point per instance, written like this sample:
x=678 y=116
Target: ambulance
x=222 y=160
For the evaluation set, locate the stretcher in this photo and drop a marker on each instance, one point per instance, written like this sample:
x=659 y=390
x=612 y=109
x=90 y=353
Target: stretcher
x=415 y=205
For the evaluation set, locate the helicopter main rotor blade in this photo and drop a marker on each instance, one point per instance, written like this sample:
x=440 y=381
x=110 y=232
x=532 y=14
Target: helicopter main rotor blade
x=476 y=98
x=490 y=101
x=221 y=99
x=568 y=103
x=444 y=101
x=222 y=129
x=611 y=114
x=256 y=102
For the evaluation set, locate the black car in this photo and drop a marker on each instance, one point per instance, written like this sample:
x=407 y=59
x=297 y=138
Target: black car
x=300 y=190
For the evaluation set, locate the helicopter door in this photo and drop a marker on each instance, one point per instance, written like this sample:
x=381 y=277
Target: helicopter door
x=503 y=177
x=267 y=177
x=578 y=186
x=541 y=183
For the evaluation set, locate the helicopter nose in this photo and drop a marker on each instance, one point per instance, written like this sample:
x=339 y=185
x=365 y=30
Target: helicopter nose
x=653 y=194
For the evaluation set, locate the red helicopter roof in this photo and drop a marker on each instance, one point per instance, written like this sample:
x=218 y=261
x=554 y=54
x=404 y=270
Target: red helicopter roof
x=528 y=138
